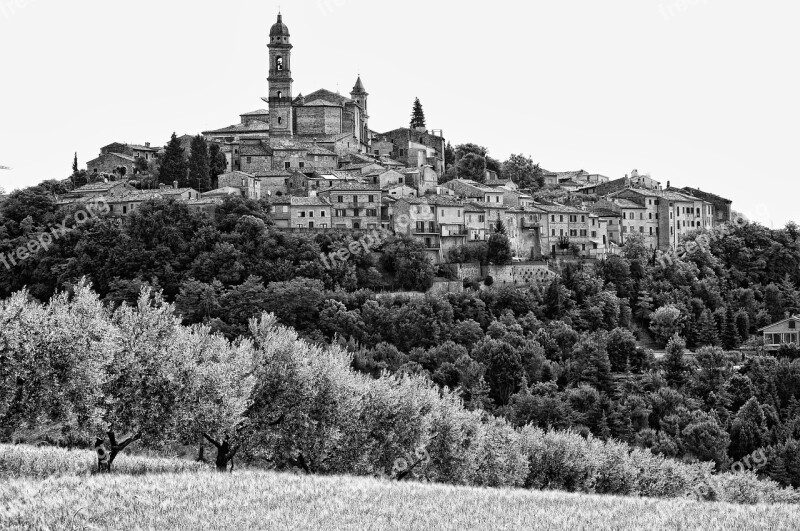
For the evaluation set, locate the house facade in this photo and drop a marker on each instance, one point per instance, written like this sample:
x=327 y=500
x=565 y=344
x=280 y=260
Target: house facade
x=781 y=333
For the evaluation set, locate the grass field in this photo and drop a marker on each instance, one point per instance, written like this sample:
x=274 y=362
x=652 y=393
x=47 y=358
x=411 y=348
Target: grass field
x=263 y=500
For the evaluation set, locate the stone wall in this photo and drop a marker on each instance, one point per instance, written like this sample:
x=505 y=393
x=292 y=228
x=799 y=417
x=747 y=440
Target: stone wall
x=519 y=274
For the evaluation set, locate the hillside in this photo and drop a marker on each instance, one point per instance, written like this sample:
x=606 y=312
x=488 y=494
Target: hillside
x=260 y=500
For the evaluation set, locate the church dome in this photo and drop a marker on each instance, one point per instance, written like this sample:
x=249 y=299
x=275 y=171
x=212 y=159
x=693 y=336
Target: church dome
x=279 y=29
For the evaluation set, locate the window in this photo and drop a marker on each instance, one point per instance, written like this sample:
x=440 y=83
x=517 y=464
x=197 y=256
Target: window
x=573 y=232
x=651 y=231
x=311 y=214
x=792 y=325
x=554 y=232
x=279 y=66
x=561 y=219
x=573 y=219
x=553 y=219
x=650 y=215
x=641 y=230
x=301 y=214
x=373 y=212
x=594 y=234
x=583 y=219
x=583 y=233
x=340 y=213
x=340 y=199
x=287 y=165
x=280 y=120
x=322 y=213
x=302 y=165
x=249 y=160
x=372 y=199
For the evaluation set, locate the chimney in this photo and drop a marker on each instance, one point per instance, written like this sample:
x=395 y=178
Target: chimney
x=175 y=185
x=147 y=144
x=668 y=185
x=160 y=186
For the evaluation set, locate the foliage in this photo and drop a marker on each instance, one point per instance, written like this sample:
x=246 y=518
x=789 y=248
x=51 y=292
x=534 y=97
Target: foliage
x=523 y=172
x=173 y=164
x=417 y=115
x=199 y=165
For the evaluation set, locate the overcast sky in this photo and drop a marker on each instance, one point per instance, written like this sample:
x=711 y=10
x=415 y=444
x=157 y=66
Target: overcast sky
x=702 y=93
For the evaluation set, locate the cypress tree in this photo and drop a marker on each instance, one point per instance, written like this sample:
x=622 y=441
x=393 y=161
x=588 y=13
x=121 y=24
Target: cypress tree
x=417 y=115
x=730 y=336
x=707 y=330
x=173 y=164
x=199 y=171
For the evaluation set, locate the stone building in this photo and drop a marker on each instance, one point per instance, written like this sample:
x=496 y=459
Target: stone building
x=296 y=132
x=355 y=205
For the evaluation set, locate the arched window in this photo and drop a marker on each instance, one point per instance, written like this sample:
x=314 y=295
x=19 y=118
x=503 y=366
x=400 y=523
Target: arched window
x=280 y=94
x=279 y=63
x=280 y=120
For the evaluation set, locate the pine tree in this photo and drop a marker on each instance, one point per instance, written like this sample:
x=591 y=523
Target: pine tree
x=776 y=470
x=707 y=330
x=217 y=163
x=742 y=321
x=603 y=428
x=500 y=227
x=674 y=366
x=417 y=115
x=173 y=164
x=748 y=430
x=730 y=337
x=199 y=172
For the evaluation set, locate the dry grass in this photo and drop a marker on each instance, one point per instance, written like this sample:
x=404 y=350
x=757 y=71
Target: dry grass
x=20 y=461
x=263 y=500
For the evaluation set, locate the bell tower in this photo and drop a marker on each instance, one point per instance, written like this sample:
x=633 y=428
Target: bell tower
x=281 y=115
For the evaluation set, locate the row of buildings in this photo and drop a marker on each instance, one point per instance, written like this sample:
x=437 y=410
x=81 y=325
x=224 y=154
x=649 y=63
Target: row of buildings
x=321 y=167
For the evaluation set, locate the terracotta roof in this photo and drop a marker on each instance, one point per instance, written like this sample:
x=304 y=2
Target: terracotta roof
x=271 y=173
x=327 y=95
x=627 y=203
x=255 y=150
x=254 y=126
x=176 y=191
x=320 y=103
x=309 y=201
x=137 y=147
x=139 y=195
x=561 y=209
x=606 y=213
x=97 y=187
x=351 y=186
x=319 y=150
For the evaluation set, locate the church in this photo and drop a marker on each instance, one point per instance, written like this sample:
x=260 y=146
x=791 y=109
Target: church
x=297 y=133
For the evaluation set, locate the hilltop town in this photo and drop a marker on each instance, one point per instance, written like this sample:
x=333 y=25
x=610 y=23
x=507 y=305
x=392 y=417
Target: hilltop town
x=321 y=167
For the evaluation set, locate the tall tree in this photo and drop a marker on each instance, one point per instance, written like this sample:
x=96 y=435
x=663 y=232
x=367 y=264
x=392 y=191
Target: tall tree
x=449 y=155
x=173 y=164
x=217 y=163
x=674 y=366
x=472 y=166
x=522 y=171
x=199 y=171
x=75 y=164
x=417 y=115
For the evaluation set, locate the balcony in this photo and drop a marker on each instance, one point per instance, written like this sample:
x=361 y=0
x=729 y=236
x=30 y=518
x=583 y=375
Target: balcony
x=531 y=225
x=428 y=228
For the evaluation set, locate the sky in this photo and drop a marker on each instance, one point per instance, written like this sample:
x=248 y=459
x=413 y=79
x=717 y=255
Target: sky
x=701 y=93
